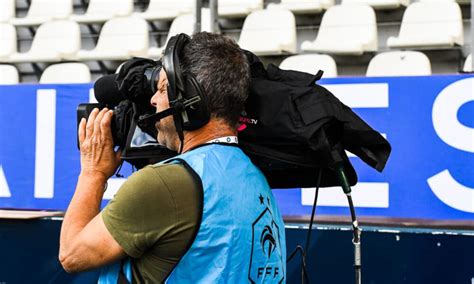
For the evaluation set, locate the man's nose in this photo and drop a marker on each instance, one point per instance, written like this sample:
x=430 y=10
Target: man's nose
x=153 y=99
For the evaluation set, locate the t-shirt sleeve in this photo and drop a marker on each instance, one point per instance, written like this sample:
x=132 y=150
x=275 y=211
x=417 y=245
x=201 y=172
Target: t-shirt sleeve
x=143 y=209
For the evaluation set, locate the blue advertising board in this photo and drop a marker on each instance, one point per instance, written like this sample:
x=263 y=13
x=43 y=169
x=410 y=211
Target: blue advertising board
x=429 y=122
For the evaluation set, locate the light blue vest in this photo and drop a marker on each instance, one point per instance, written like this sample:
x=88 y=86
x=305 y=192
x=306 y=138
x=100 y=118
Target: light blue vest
x=241 y=238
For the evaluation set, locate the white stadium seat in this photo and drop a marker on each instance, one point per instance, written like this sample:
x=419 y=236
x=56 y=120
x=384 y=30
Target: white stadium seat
x=380 y=4
x=167 y=9
x=468 y=64
x=345 y=29
x=311 y=63
x=399 y=63
x=100 y=11
x=238 y=8
x=53 y=41
x=8 y=75
x=303 y=6
x=7 y=41
x=7 y=10
x=66 y=73
x=269 y=32
x=183 y=24
x=42 y=11
x=119 y=39
x=430 y=25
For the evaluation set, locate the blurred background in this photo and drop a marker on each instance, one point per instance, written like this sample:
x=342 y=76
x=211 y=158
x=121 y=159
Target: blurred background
x=404 y=66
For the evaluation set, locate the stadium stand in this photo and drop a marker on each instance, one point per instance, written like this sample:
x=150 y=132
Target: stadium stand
x=182 y=24
x=429 y=24
x=311 y=63
x=380 y=4
x=303 y=6
x=99 y=11
x=399 y=63
x=350 y=39
x=7 y=11
x=269 y=32
x=66 y=73
x=468 y=64
x=8 y=75
x=7 y=41
x=166 y=9
x=346 y=29
x=238 y=8
x=54 y=41
x=43 y=11
x=119 y=39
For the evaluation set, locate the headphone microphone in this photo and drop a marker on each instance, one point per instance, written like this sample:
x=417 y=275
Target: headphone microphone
x=146 y=121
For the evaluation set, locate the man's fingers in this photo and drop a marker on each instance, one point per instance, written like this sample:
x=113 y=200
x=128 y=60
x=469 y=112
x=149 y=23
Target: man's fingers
x=90 y=122
x=105 y=124
x=82 y=131
x=97 y=122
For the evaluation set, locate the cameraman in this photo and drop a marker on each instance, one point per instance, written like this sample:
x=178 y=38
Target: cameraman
x=207 y=216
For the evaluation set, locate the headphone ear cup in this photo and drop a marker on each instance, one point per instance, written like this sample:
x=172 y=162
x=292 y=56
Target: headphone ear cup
x=198 y=113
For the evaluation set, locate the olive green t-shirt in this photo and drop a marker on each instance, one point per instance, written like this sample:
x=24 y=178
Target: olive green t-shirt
x=154 y=217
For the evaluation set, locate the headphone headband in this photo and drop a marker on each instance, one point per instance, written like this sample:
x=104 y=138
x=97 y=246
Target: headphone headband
x=172 y=66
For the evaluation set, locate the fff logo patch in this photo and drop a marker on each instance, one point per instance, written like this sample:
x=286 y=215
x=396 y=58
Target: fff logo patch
x=266 y=262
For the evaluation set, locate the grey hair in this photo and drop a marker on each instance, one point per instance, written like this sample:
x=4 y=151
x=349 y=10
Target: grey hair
x=222 y=69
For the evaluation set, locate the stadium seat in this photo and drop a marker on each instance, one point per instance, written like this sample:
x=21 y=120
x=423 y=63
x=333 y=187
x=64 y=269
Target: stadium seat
x=53 y=41
x=42 y=11
x=238 y=8
x=311 y=63
x=119 y=39
x=269 y=32
x=167 y=9
x=468 y=64
x=100 y=11
x=8 y=75
x=7 y=10
x=380 y=4
x=183 y=24
x=430 y=25
x=7 y=41
x=66 y=73
x=399 y=63
x=302 y=6
x=345 y=29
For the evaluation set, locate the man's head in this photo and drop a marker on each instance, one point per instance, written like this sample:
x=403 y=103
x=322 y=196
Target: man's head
x=222 y=71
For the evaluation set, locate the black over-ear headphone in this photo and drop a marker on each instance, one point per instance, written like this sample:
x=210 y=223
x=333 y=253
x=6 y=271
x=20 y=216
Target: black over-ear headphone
x=186 y=96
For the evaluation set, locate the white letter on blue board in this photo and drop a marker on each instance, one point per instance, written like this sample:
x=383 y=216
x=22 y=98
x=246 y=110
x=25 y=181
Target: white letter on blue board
x=457 y=135
x=4 y=188
x=45 y=143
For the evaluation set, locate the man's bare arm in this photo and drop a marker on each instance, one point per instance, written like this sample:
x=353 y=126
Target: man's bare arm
x=85 y=242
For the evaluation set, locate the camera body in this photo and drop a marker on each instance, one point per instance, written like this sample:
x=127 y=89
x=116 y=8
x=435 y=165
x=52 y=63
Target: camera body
x=128 y=94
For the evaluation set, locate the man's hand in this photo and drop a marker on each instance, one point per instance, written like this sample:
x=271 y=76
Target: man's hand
x=97 y=146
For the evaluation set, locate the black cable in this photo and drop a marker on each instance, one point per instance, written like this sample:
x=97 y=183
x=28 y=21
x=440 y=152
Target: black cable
x=308 y=236
x=304 y=273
